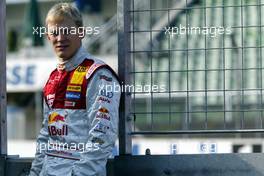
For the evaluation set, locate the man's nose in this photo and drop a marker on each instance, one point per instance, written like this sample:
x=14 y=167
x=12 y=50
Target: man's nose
x=61 y=37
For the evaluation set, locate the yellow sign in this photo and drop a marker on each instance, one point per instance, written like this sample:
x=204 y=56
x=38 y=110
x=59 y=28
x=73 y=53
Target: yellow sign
x=74 y=88
x=81 y=69
x=78 y=75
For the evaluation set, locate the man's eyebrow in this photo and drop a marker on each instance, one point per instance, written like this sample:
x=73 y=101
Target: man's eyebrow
x=52 y=30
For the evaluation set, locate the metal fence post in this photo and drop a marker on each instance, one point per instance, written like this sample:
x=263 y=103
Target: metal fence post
x=124 y=64
x=3 y=135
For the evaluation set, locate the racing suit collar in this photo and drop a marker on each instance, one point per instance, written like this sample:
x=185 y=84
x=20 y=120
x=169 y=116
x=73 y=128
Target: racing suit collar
x=72 y=63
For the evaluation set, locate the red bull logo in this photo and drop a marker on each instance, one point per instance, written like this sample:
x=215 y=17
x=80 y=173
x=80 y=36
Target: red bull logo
x=103 y=113
x=55 y=117
x=53 y=129
x=103 y=110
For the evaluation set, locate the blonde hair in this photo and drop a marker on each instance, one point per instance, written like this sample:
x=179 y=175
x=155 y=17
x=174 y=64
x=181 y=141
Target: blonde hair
x=60 y=12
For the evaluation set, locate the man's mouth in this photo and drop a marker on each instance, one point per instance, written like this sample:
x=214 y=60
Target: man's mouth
x=62 y=47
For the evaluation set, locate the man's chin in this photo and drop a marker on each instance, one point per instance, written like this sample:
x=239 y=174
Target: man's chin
x=62 y=55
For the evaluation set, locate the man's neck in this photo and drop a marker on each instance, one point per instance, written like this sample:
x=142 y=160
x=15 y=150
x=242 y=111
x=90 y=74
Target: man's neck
x=68 y=63
x=65 y=60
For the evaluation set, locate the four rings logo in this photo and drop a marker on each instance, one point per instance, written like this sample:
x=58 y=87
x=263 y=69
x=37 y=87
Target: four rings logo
x=106 y=93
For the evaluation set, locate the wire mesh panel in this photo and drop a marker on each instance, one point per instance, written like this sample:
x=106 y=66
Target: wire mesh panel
x=196 y=66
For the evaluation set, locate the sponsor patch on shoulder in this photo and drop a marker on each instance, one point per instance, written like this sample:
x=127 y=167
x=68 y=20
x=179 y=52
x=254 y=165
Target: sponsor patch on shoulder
x=92 y=69
x=103 y=99
x=103 y=113
x=104 y=77
x=97 y=140
x=106 y=93
x=101 y=128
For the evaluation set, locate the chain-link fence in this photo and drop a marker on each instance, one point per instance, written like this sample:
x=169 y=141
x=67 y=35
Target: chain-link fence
x=196 y=66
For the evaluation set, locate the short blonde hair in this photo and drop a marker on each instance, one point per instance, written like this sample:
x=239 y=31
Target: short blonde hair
x=62 y=11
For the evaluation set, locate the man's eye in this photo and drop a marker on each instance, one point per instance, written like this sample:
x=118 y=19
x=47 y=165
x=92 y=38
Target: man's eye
x=65 y=32
x=54 y=33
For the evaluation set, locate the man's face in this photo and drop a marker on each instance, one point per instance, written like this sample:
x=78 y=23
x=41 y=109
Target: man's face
x=64 y=40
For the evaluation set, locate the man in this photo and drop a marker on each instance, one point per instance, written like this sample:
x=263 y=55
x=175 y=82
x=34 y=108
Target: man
x=80 y=111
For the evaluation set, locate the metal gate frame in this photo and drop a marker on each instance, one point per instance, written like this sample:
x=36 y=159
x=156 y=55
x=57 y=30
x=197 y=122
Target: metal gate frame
x=3 y=125
x=124 y=66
